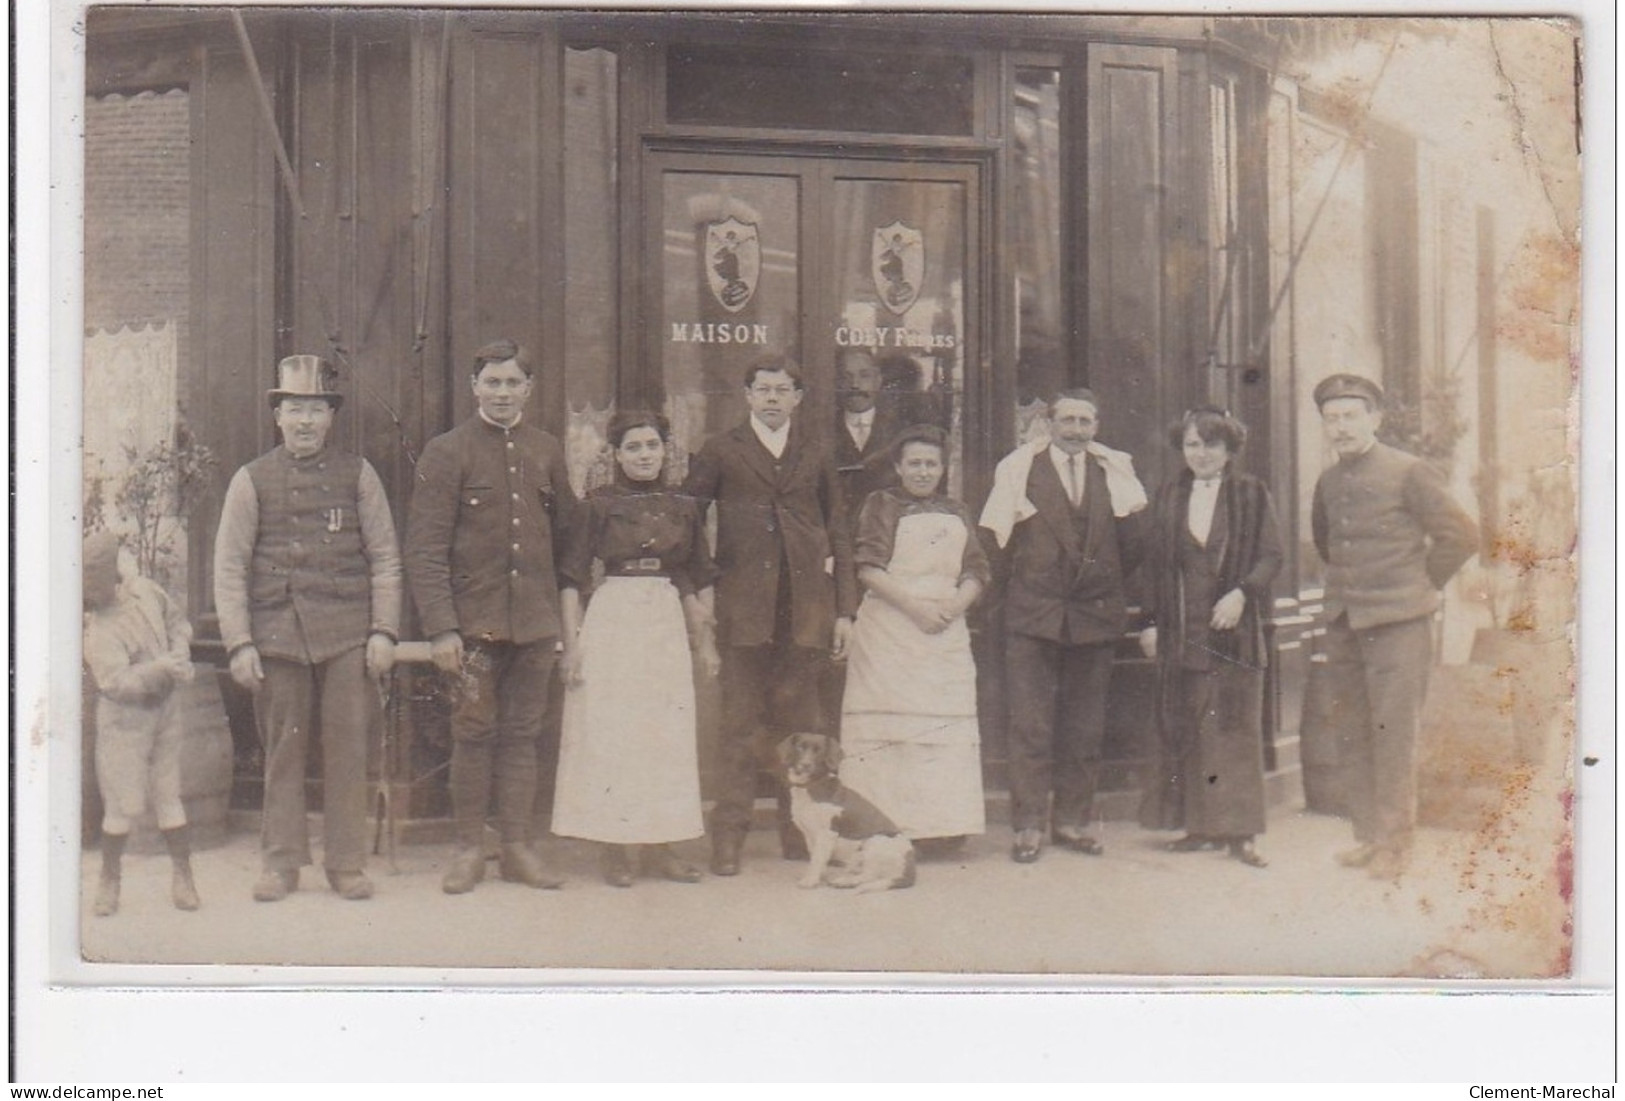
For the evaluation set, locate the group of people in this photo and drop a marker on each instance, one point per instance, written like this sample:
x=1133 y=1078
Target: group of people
x=510 y=573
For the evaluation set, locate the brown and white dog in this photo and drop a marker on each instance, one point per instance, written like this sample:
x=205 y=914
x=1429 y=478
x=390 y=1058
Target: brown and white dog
x=840 y=825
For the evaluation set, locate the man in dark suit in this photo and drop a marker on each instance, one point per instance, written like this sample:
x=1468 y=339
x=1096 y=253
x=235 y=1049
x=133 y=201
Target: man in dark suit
x=1391 y=536
x=863 y=432
x=1070 y=513
x=786 y=594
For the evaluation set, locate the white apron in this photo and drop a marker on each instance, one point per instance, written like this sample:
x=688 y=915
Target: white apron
x=628 y=765
x=908 y=723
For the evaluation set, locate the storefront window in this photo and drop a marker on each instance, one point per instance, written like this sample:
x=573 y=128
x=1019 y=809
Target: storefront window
x=590 y=247
x=1226 y=256
x=1040 y=338
x=799 y=89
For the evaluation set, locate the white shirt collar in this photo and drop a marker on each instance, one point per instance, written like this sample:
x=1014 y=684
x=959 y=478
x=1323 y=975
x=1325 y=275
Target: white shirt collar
x=865 y=419
x=1061 y=459
x=773 y=440
x=1063 y=462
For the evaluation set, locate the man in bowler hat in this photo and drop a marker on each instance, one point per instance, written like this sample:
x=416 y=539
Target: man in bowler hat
x=307 y=583
x=1391 y=536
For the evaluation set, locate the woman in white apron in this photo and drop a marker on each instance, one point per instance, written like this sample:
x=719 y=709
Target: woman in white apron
x=908 y=722
x=628 y=762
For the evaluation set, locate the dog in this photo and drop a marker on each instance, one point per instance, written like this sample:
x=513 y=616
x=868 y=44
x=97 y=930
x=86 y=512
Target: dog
x=840 y=825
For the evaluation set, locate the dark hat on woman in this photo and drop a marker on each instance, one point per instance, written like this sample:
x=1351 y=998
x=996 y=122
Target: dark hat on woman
x=305 y=376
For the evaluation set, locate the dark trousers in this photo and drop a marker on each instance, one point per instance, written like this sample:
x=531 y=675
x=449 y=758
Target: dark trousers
x=1383 y=674
x=768 y=693
x=284 y=712
x=500 y=703
x=1057 y=695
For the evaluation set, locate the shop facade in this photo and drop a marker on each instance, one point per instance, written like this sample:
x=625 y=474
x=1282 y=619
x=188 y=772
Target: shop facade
x=996 y=206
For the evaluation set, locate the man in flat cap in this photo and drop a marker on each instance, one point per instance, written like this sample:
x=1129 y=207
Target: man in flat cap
x=1391 y=536
x=307 y=582
x=489 y=496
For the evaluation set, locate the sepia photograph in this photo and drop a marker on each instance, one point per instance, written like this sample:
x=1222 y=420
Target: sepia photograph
x=936 y=496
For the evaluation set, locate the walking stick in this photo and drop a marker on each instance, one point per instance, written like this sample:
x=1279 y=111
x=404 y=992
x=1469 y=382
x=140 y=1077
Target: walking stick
x=386 y=831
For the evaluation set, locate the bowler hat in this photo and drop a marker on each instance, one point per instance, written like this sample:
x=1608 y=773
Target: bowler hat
x=305 y=376
x=1348 y=386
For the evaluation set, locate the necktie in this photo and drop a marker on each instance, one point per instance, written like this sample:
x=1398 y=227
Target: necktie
x=1074 y=477
x=860 y=434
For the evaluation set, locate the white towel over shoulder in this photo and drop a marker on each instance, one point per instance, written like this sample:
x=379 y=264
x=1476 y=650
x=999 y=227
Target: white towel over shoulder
x=1007 y=505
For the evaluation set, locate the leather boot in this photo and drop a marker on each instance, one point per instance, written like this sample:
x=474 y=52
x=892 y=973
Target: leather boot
x=107 y=888
x=466 y=871
x=725 y=848
x=182 y=891
x=1357 y=857
x=660 y=862
x=616 y=863
x=519 y=863
x=792 y=844
x=274 y=886
x=350 y=886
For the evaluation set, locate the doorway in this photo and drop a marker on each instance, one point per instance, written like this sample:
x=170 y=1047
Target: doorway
x=751 y=256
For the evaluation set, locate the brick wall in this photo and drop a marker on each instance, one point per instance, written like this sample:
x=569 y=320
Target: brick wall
x=137 y=208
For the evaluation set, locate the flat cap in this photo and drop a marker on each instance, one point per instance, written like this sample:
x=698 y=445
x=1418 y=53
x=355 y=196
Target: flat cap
x=1348 y=386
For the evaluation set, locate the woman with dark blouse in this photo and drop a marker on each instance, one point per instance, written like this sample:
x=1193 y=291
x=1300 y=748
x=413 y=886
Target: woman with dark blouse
x=1214 y=549
x=908 y=722
x=628 y=762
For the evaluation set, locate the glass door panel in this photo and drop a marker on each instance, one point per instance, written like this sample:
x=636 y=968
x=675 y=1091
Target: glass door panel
x=747 y=250
x=729 y=264
x=901 y=270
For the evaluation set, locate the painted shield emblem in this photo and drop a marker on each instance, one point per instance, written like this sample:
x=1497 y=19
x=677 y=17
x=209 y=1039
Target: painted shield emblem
x=733 y=262
x=898 y=261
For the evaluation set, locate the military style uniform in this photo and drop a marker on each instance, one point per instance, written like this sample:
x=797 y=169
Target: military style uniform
x=480 y=558
x=1391 y=536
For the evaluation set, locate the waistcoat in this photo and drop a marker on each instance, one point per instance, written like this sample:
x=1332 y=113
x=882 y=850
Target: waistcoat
x=309 y=588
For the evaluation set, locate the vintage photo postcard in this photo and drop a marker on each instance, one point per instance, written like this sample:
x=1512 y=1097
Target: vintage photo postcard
x=937 y=496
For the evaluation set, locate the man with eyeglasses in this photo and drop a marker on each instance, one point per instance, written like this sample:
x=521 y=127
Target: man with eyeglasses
x=490 y=497
x=786 y=595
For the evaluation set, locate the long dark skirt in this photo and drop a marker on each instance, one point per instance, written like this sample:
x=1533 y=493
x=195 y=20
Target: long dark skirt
x=1210 y=778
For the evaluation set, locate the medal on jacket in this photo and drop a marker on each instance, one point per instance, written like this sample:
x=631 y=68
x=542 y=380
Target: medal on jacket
x=335 y=520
